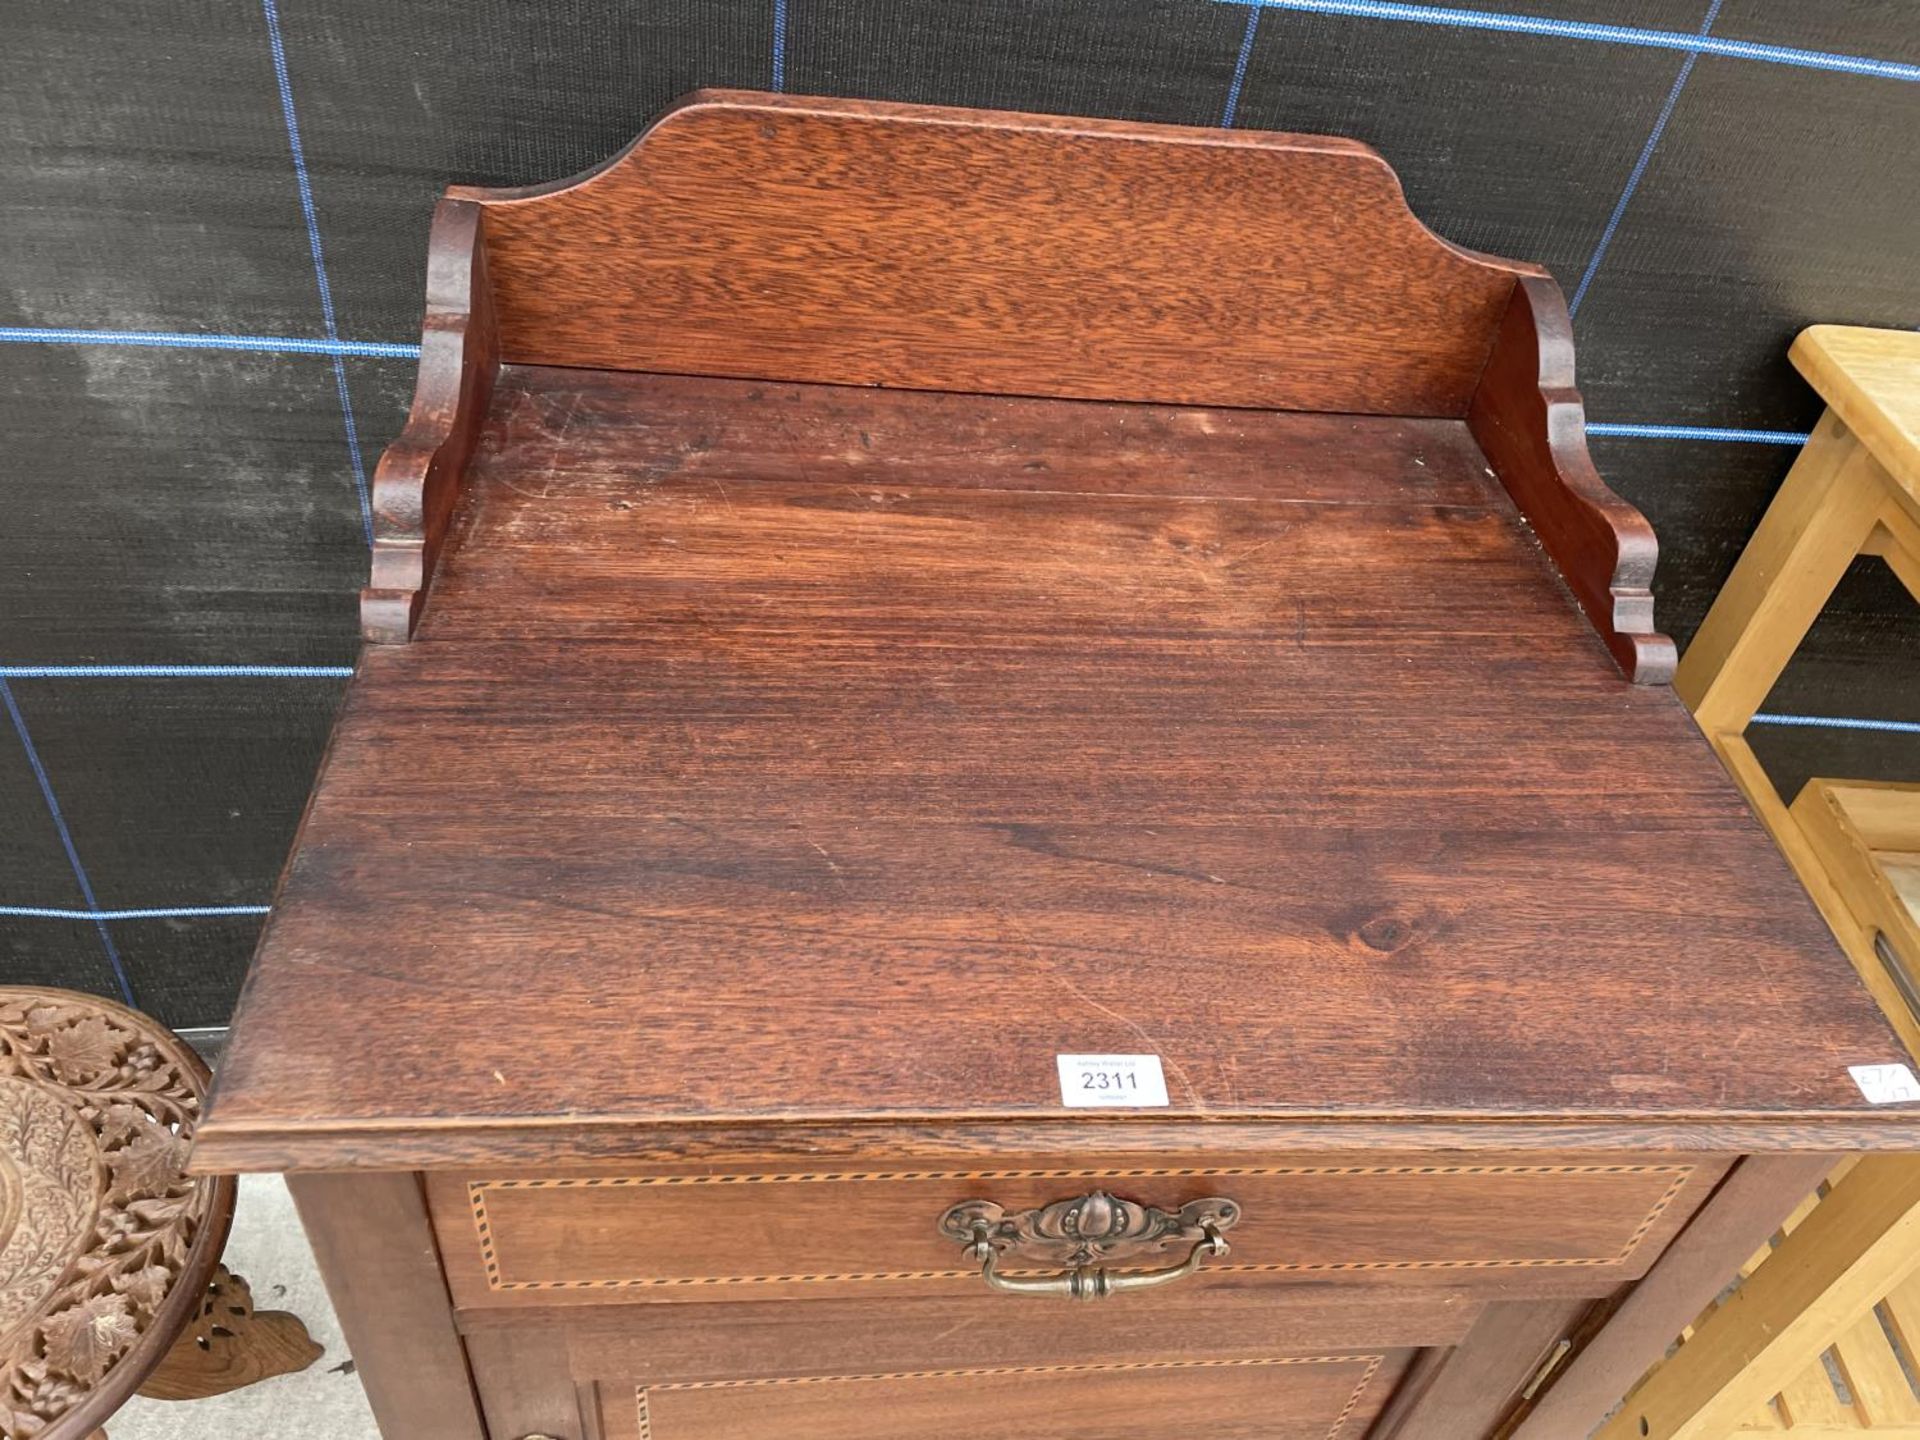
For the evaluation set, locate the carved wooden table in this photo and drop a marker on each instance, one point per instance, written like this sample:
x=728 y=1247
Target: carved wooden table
x=966 y=703
x=106 y=1247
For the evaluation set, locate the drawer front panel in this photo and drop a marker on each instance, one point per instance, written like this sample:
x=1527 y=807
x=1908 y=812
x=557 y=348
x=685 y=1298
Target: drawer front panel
x=1532 y=1224
x=779 y=1339
x=1301 y=1397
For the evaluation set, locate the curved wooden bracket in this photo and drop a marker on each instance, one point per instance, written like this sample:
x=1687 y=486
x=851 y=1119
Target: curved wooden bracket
x=1532 y=427
x=419 y=475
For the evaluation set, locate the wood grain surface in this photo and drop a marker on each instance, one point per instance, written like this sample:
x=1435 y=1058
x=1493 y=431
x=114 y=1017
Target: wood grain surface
x=854 y=242
x=859 y=242
x=1529 y=419
x=1500 y=1224
x=376 y=1250
x=419 y=476
x=1871 y=380
x=1281 y=1397
x=786 y=755
x=771 y=1339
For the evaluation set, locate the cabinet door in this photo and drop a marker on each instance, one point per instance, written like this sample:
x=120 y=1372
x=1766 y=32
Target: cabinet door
x=1280 y=1397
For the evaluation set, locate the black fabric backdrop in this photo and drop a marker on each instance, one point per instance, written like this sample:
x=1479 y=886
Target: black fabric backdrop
x=169 y=506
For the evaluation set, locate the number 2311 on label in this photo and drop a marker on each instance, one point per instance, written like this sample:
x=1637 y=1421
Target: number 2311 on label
x=1135 y=1080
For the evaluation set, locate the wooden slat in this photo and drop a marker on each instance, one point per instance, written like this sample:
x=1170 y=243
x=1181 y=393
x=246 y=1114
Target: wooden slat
x=1809 y=1400
x=1902 y=1309
x=1764 y=1421
x=1826 y=1275
x=1823 y=514
x=1882 y=1394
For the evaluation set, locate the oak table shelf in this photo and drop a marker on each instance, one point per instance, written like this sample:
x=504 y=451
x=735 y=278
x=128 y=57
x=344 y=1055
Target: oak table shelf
x=871 y=599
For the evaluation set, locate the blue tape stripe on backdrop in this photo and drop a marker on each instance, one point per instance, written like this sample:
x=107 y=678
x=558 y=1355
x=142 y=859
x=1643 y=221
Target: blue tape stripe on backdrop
x=1604 y=34
x=1697 y=432
x=353 y=348
x=1639 y=167
x=305 y=184
x=779 y=44
x=169 y=340
x=66 y=838
x=1839 y=722
x=172 y=912
x=1240 y=67
x=176 y=672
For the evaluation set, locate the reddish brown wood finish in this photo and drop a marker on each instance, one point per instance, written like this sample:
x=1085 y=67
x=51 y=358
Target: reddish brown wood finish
x=784 y=772
x=1279 y=1397
x=857 y=242
x=526 y=1383
x=375 y=1246
x=1528 y=418
x=727 y=726
x=777 y=1338
x=419 y=476
x=1505 y=1224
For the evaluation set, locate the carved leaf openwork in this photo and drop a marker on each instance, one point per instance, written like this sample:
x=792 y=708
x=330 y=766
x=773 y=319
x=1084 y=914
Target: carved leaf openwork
x=97 y=1108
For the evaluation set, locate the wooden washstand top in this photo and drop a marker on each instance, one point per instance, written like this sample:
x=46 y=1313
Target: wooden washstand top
x=915 y=591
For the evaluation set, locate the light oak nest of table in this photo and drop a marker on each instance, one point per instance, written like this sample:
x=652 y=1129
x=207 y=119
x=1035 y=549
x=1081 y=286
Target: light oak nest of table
x=872 y=598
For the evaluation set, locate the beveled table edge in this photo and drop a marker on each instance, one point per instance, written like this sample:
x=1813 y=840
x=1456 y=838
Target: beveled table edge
x=495 y=1143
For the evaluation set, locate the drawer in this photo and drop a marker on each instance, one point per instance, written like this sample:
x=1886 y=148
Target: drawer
x=977 y=1364
x=1518 y=1224
x=1281 y=1397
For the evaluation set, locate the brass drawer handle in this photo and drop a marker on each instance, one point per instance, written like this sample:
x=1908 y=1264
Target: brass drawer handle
x=1083 y=1232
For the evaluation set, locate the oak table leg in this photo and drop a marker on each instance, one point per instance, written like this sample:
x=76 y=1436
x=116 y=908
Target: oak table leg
x=526 y=1384
x=376 y=1249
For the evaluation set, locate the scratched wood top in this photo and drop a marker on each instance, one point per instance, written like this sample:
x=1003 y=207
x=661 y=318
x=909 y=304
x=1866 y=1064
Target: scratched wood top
x=774 y=752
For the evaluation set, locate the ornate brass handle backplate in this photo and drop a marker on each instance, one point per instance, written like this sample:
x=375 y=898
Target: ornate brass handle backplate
x=1082 y=1234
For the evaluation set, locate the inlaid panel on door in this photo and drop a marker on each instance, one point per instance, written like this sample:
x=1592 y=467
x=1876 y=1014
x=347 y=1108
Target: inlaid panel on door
x=1284 y=1397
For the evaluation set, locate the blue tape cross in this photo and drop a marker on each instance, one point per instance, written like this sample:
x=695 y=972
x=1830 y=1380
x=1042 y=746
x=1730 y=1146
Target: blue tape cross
x=301 y=178
x=1640 y=165
x=66 y=841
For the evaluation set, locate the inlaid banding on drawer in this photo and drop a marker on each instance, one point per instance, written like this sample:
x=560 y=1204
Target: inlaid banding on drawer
x=686 y=1232
x=1369 y=1367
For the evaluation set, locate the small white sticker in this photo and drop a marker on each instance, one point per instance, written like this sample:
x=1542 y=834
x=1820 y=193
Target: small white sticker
x=1111 y=1080
x=1882 y=1084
